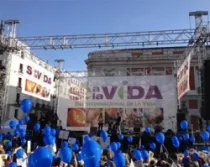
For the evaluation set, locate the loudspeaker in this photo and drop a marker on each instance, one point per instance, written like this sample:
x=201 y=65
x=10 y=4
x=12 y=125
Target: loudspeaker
x=205 y=90
x=180 y=117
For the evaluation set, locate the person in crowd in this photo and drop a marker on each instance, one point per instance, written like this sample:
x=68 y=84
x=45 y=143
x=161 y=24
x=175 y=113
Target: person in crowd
x=110 y=126
x=100 y=122
x=43 y=120
x=118 y=123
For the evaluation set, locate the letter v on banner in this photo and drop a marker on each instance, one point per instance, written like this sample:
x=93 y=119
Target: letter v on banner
x=183 y=76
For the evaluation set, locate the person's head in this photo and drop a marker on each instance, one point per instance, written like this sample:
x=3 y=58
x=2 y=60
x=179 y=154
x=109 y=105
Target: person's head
x=163 y=156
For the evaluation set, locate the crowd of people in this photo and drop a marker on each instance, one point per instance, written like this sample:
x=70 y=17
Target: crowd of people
x=154 y=149
x=45 y=148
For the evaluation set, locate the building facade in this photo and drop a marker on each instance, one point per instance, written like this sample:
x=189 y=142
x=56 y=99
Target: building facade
x=25 y=76
x=155 y=61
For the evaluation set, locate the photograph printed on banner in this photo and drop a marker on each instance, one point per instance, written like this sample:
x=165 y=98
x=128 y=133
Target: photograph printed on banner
x=36 y=89
x=131 y=117
x=139 y=117
x=76 y=117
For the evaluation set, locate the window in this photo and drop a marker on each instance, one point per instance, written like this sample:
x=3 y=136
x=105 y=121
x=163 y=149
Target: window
x=193 y=104
x=18 y=98
x=16 y=113
x=22 y=55
x=19 y=82
x=21 y=68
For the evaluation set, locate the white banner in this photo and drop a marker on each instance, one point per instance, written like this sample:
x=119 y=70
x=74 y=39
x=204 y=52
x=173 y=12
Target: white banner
x=150 y=98
x=38 y=81
x=183 y=76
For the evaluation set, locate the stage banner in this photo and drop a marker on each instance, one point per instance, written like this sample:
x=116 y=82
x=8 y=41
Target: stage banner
x=38 y=81
x=142 y=100
x=183 y=77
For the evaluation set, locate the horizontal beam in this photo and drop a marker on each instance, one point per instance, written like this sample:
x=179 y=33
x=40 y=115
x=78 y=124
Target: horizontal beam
x=140 y=39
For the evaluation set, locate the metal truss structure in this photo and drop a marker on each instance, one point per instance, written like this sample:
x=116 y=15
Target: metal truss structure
x=140 y=39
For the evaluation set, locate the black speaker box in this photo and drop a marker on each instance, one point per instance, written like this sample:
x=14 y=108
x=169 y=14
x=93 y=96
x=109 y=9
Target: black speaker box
x=205 y=90
x=180 y=117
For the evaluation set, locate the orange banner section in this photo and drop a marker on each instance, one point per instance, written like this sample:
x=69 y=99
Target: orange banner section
x=36 y=89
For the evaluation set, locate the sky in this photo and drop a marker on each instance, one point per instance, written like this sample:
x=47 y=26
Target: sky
x=69 y=17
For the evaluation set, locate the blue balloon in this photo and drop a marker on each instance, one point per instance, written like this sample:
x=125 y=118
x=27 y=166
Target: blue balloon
x=16 y=132
x=120 y=137
x=22 y=133
x=65 y=144
x=118 y=145
x=27 y=119
x=104 y=135
x=87 y=138
x=147 y=130
x=49 y=140
x=205 y=136
x=192 y=139
x=53 y=132
x=31 y=162
x=18 y=127
x=152 y=146
x=21 y=122
x=37 y=127
x=12 y=124
x=145 y=155
x=57 y=132
x=26 y=105
x=184 y=125
x=174 y=138
x=119 y=160
x=186 y=136
x=142 y=148
x=130 y=139
x=185 y=161
x=195 y=156
x=75 y=147
x=208 y=128
x=8 y=143
x=79 y=157
x=186 y=153
x=137 y=155
x=66 y=154
x=20 y=153
x=42 y=157
x=91 y=152
x=47 y=130
x=12 y=164
x=9 y=136
x=23 y=141
x=176 y=143
x=9 y=153
x=1 y=137
x=114 y=146
x=160 y=137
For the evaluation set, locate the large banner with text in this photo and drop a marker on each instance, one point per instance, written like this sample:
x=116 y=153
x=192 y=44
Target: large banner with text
x=183 y=77
x=139 y=100
x=38 y=81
